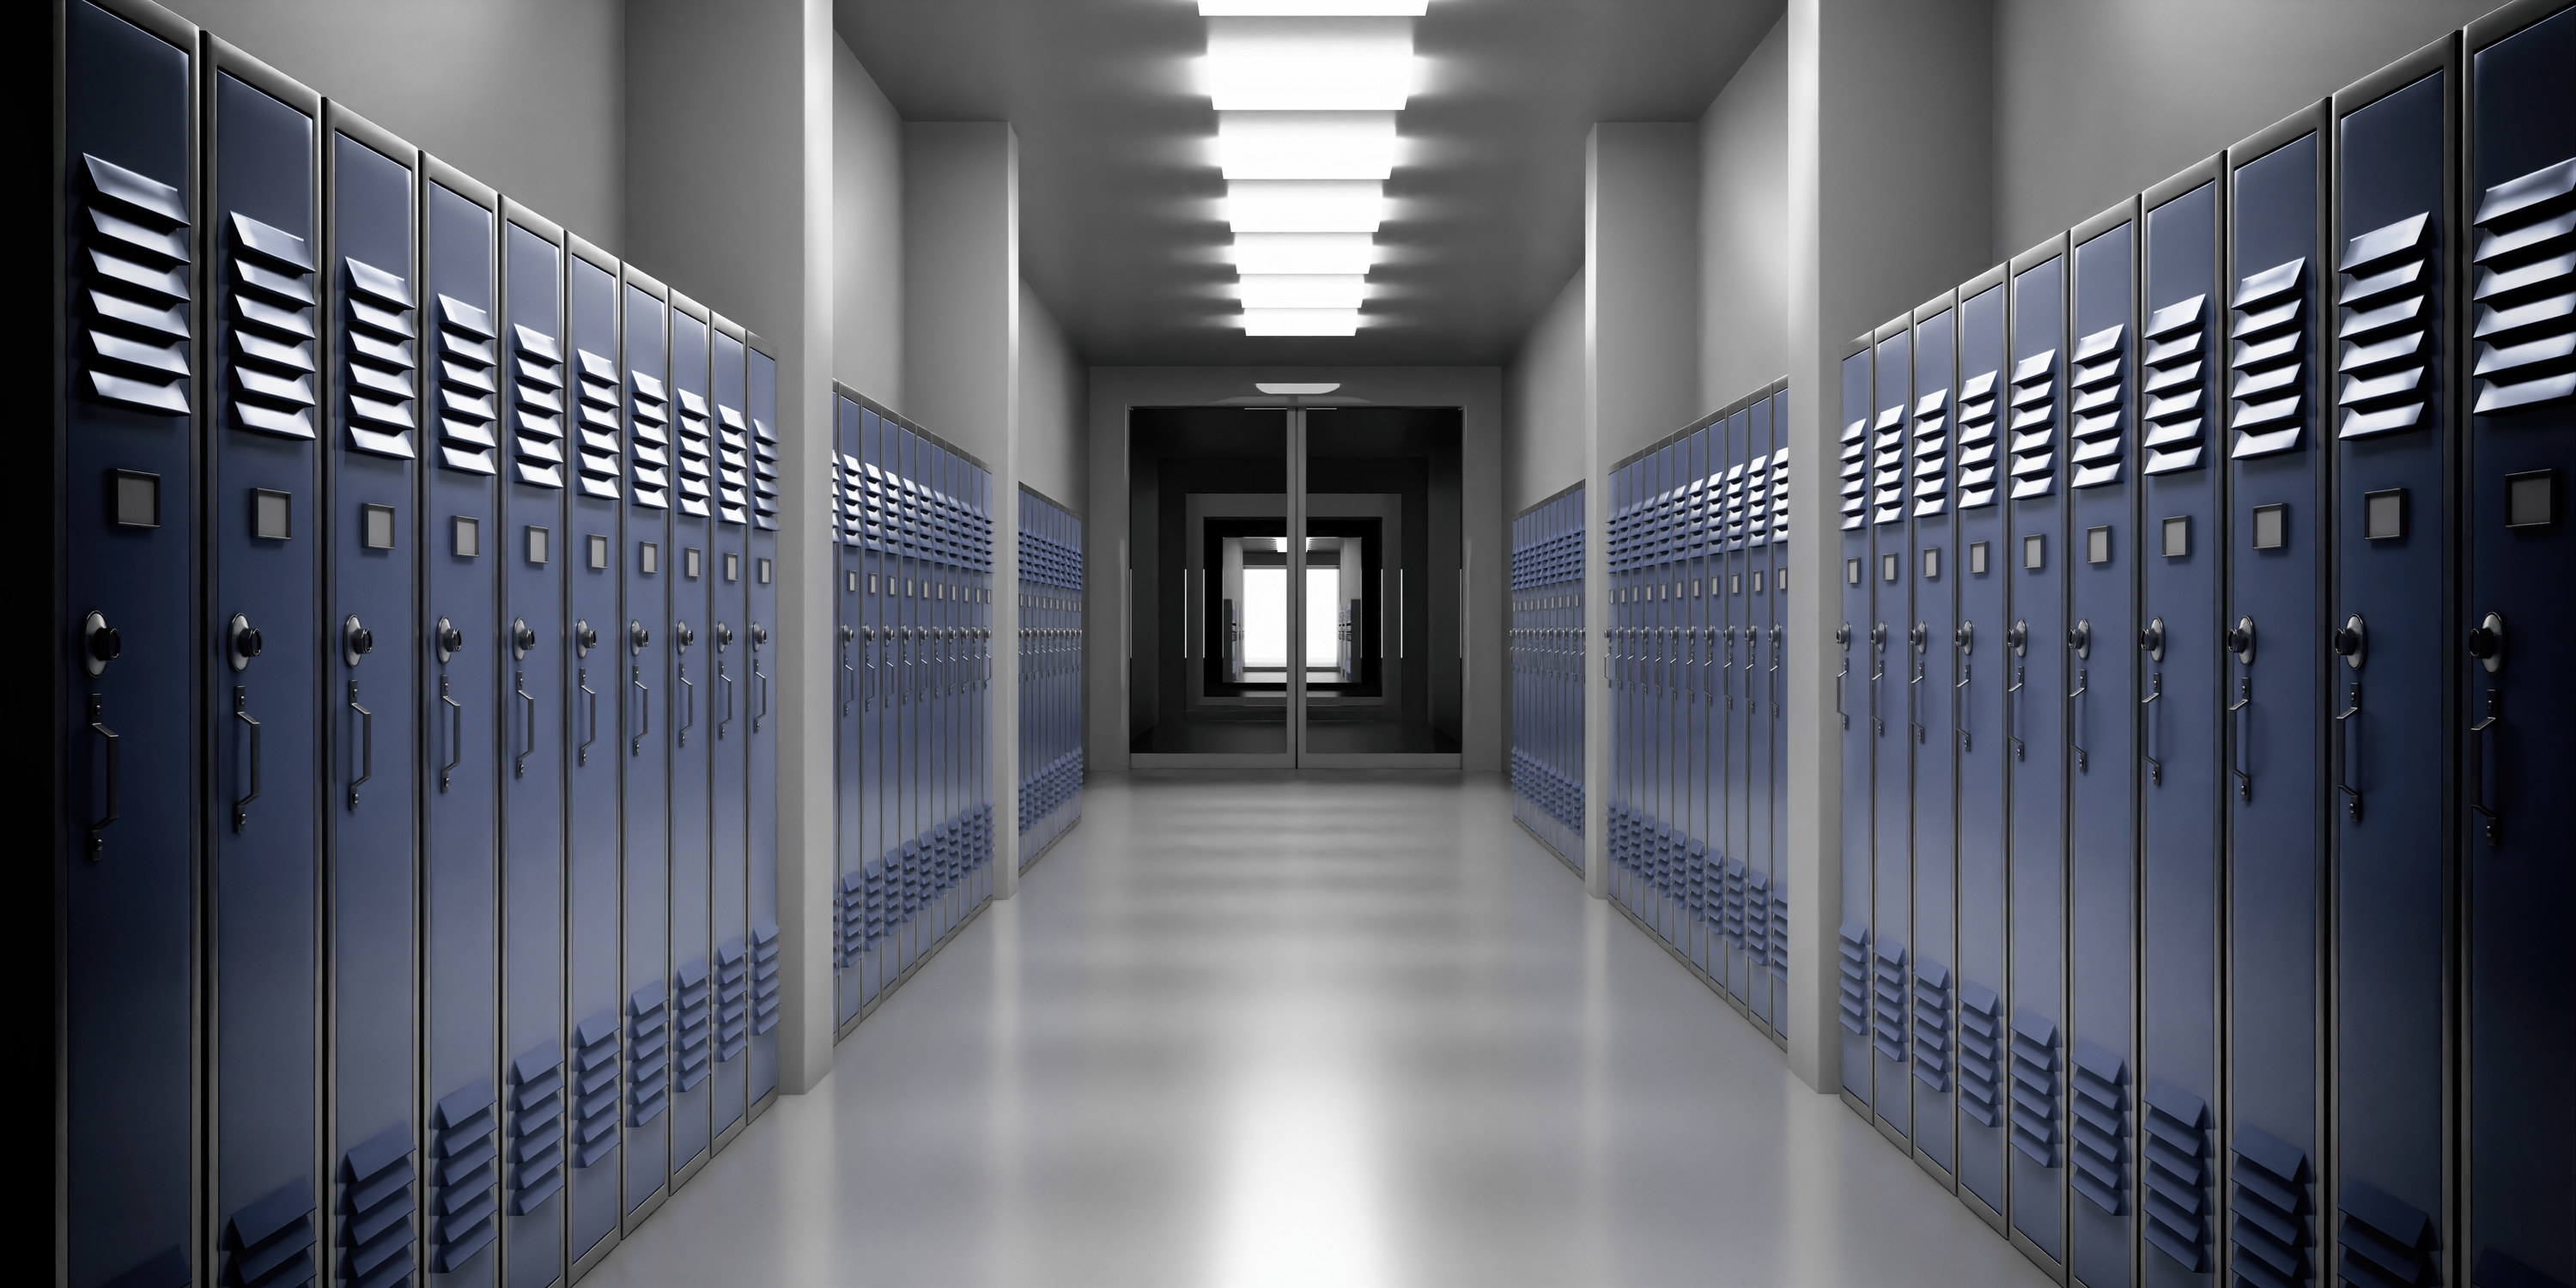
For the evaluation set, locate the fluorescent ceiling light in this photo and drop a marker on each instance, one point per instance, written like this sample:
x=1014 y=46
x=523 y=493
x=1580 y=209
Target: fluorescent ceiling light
x=1305 y=145
x=1305 y=206
x=1279 y=387
x=1302 y=291
x=1301 y=252
x=1309 y=64
x=1312 y=8
x=1301 y=321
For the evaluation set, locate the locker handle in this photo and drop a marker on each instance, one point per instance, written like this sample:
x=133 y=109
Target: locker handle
x=2012 y=711
x=643 y=709
x=2242 y=709
x=2478 y=762
x=366 y=745
x=2155 y=694
x=2351 y=730
x=1842 y=636
x=727 y=678
x=2075 y=721
x=455 y=734
x=1913 y=699
x=582 y=678
x=115 y=775
x=759 y=685
x=849 y=673
x=529 y=702
x=1877 y=672
x=242 y=715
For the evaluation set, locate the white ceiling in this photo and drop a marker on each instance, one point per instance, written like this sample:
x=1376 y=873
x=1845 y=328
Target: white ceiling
x=1120 y=232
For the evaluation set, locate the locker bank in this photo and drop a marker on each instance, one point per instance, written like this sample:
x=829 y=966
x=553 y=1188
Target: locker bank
x=1655 y=641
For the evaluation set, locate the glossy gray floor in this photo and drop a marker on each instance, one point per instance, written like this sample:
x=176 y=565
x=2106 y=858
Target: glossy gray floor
x=1322 y=1030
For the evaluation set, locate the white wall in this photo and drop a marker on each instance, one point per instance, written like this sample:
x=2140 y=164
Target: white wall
x=1641 y=281
x=867 y=231
x=529 y=98
x=1743 y=221
x=1543 y=393
x=1051 y=430
x=961 y=280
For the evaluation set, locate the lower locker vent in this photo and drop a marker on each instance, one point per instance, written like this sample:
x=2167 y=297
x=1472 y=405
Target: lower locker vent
x=465 y=1184
x=536 y=1127
x=872 y=880
x=1734 y=896
x=2176 y=1153
x=269 y=1242
x=648 y=1069
x=733 y=1000
x=1854 y=967
x=594 y=1089
x=2100 y=1130
x=2270 y=1203
x=2386 y=1242
x=1887 y=996
x=1779 y=937
x=850 y=920
x=764 y=977
x=2034 y=1086
x=1980 y=1053
x=1695 y=883
x=1757 y=916
x=689 y=1030
x=376 y=1232
x=1932 y=1024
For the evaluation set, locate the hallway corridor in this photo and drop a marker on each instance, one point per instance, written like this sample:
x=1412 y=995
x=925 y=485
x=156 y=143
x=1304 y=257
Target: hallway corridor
x=1322 y=1030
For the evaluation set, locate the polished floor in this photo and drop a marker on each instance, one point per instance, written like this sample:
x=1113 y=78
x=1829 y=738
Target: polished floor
x=1333 y=1030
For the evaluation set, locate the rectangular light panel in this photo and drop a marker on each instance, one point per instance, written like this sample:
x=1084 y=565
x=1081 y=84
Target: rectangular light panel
x=1305 y=206
x=1306 y=145
x=1302 y=291
x=1313 y=8
x=1309 y=64
x=1302 y=252
x=1301 y=321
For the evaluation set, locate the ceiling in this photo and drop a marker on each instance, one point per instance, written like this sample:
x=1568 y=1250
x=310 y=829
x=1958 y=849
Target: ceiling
x=1119 y=229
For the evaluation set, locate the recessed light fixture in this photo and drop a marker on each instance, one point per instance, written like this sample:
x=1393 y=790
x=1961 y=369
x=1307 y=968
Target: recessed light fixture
x=1302 y=252
x=1305 y=145
x=1309 y=64
x=1301 y=321
x=1302 y=291
x=1293 y=390
x=1313 y=8
x=1305 y=206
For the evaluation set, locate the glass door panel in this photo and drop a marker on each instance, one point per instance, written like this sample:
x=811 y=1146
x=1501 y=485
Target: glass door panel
x=1383 y=671
x=1213 y=610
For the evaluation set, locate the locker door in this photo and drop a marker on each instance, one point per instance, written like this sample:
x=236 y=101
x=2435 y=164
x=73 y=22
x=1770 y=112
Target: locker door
x=1891 y=746
x=1622 y=613
x=2101 y=799
x=2035 y=733
x=532 y=557
x=850 y=706
x=2392 y=437
x=1700 y=797
x=2518 y=700
x=693 y=706
x=129 y=514
x=594 y=553
x=760 y=406
x=1984 y=666
x=645 y=714
x=876 y=580
x=1734 y=644
x=1857 y=715
x=461 y=654
x=1749 y=880
x=2180 y=539
x=1927 y=660
x=1776 y=738
x=374 y=323
x=729 y=576
x=1666 y=753
x=262 y=673
x=2274 y=634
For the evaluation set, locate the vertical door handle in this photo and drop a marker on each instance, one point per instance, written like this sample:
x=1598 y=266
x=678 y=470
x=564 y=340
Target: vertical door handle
x=1842 y=636
x=107 y=738
x=759 y=686
x=242 y=715
x=2075 y=720
x=2147 y=712
x=643 y=710
x=2480 y=761
x=1771 y=685
x=591 y=735
x=688 y=705
x=366 y=745
x=1877 y=672
x=727 y=719
x=528 y=703
x=2350 y=728
x=455 y=734
x=2012 y=711
x=849 y=673
x=2242 y=710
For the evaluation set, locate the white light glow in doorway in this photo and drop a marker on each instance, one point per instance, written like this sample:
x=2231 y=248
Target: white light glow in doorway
x=1265 y=619
x=1323 y=618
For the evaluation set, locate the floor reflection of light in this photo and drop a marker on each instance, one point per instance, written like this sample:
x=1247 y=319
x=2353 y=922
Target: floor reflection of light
x=1301 y=1193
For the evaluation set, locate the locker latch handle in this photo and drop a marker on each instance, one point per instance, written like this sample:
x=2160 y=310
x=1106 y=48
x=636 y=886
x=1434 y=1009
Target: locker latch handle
x=107 y=736
x=2012 y=711
x=2155 y=693
x=241 y=714
x=643 y=711
x=2351 y=730
x=582 y=678
x=1842 y=636
x=528 y=701
x=727 y=719
x=366 y=745
x=455 y=734
x=2075 y=721
x=2478 y=762
x=849 y=673
x=2242 y=711
x=688 y=704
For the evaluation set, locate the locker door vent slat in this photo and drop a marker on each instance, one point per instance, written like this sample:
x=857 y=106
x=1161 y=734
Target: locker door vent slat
x=733 y=999
x=272 y=330
x=2100 y=1127
x=1854 y=965
x=537 y=407
x=1854 y=474
x=691 y=993
x=1779 y=936
x=465 y=1181
x=594 y=1088
x=850 y=933
x=2175 y=386
x=2097 y=401
x=538 y=1095
x=2385 y=323
x=1980 y=1053
x=136 y=290
x=2176 y=1153
x=649 y=440
x=467 y=388
x=2523 y=291
x=733 y=466
x=1887 y=465
x=2268 y=356
x=1976 y=439
x=1932 y=1024
x=269 y=1242
x=376 y=1231
x=648 y=1067
x=598 y=453
x=1757 y=915
x=2034 y=1086
x=1732 y=907
x=378 y=368
x=1780 y=496
x=1887 y=1003
x=694 y=478
x=1761 y=496
x=764 y=977
x=2386 y=1242
x=2034 y=425
x=2270 y=1207
x=1931 y=468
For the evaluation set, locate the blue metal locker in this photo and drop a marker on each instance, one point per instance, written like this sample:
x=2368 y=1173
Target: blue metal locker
x=373 y=319
x=728 y=865
x=851 y=703
x=1704 y=795
x=1776 y=938
x=1984 y=667
x=1891 y=744
x=1748 y=868
x=2274 y=736
x=876 y=581
x=1734 y=643
x=537 y=651
x=2034 y=731
x=2181 y=537
x=129 y=506
x=2518 y=701
x=594 y=555
x=262 y=673
x=462 y=710
x=1855 y=705
x=760 y=698
x=2101 y=792
x=1929 y=733
x=2393 y=434
x=761 y=709
x=646 y=711
x=693 y=707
